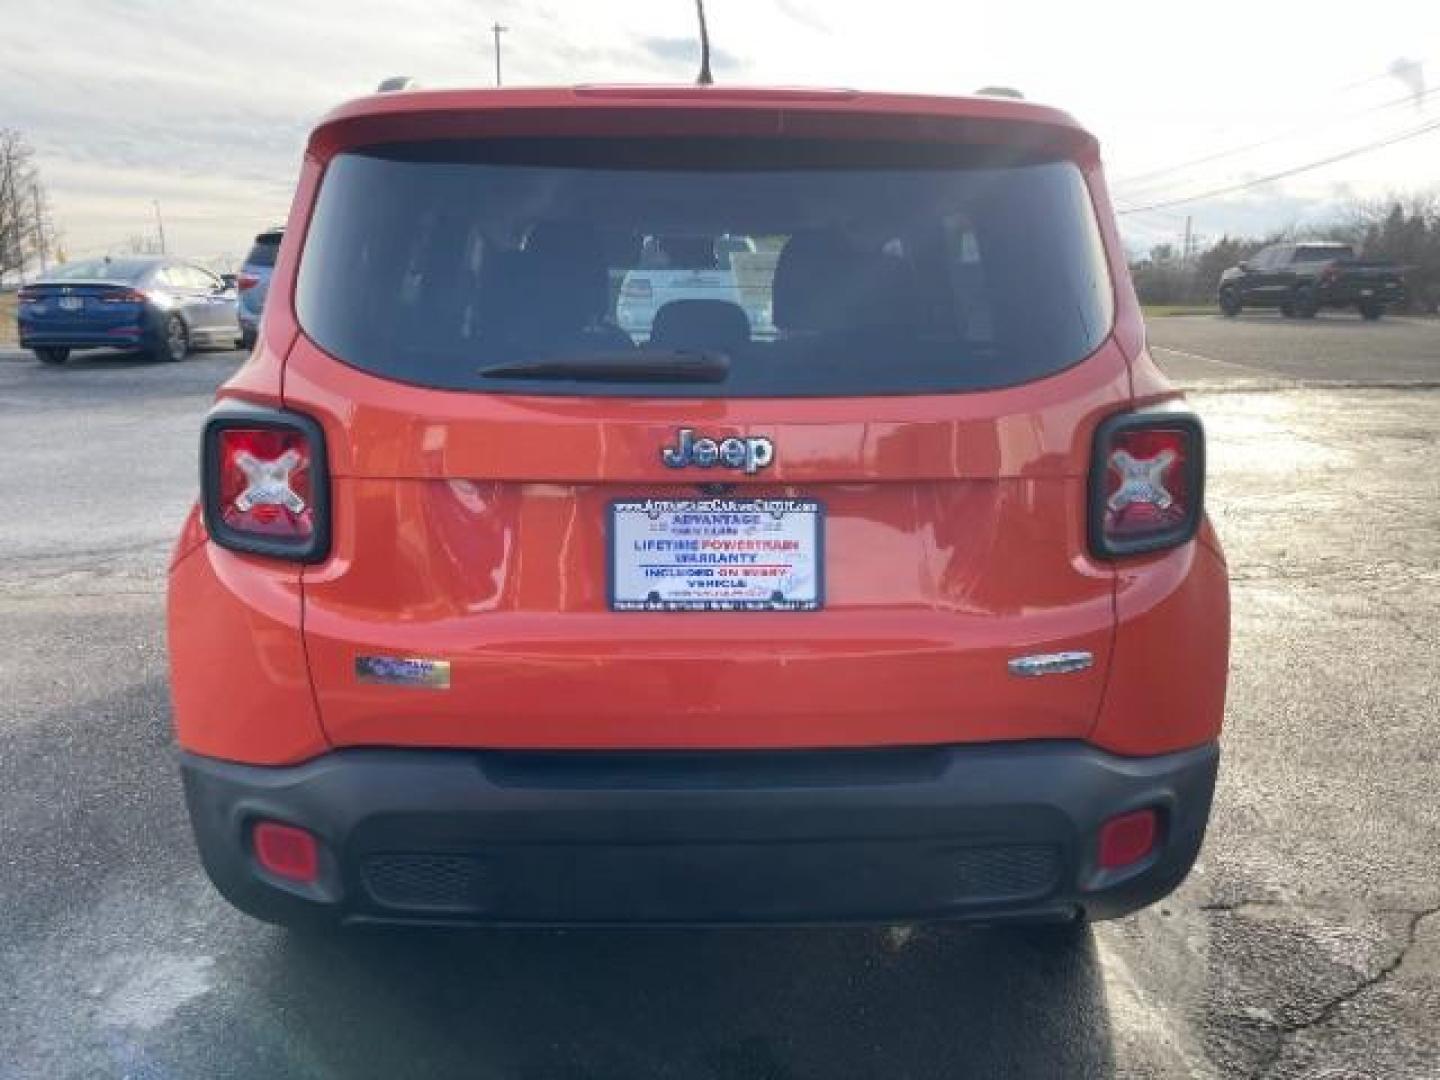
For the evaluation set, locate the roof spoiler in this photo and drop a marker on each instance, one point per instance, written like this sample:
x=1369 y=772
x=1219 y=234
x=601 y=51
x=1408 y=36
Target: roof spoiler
x=694 y=111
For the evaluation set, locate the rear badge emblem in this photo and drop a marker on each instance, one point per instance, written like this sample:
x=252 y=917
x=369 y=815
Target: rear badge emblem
x=1059 y=663
x=403 y=671
x=749 y=454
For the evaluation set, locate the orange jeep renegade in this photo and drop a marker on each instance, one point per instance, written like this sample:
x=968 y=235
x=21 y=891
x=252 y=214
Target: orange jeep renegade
x=865 y=578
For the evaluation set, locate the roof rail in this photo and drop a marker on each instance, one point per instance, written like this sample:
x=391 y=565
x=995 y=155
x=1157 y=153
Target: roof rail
x=1000 y=91
x=396 y=83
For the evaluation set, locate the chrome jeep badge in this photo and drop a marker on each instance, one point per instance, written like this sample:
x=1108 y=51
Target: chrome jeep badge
x=750 y=454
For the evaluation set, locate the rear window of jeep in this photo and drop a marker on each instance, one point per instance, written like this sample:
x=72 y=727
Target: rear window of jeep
x=704 y=268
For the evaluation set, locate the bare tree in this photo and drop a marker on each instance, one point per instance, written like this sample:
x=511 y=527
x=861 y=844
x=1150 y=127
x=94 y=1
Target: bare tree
x=27 y=232
x=1402 y=228
x=14 y=163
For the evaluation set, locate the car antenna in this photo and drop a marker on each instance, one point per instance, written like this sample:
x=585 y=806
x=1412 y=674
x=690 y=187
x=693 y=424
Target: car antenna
x=705 y=79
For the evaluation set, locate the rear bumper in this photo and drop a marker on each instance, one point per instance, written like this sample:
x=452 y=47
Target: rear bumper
x=982 y=832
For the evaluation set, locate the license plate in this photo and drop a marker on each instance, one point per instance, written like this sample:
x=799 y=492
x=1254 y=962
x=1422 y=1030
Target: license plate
x=716 y=555
x=71 y=303
x=1367 y=292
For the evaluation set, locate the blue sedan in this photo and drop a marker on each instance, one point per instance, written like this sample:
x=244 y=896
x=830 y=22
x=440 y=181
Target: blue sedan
x=152 y=304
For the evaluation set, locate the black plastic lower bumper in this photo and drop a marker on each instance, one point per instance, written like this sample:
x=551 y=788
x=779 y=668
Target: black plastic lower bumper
x=958 y=832
x=95 y=340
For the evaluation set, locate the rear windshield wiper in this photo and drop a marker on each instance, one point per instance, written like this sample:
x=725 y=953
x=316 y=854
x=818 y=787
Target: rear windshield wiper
x=669 y=365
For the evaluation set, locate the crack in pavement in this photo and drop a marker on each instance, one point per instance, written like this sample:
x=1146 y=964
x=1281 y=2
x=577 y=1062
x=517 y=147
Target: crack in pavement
x=1232 y=907
x=1325 y=1013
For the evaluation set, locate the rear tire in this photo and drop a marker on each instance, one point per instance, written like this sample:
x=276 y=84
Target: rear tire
x=53 y=357
x=1371 y=312
x=1229 y=303
x=174 y=342
x=1304 y=302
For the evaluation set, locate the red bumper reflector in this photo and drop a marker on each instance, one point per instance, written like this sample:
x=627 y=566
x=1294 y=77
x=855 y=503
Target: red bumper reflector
x=1127 y=839
x=287 y=852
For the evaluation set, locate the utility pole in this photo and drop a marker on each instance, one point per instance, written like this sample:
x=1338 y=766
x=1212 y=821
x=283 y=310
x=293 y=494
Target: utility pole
x=497 y=30
x=159 y=224
x=40 y=230
x=705 y=79
x=1185 y=249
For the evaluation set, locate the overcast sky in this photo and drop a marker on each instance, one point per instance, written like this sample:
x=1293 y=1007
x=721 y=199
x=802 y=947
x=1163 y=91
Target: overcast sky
x=204 y=105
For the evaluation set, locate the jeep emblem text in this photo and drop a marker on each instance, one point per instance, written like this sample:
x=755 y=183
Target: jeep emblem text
x=733 y=453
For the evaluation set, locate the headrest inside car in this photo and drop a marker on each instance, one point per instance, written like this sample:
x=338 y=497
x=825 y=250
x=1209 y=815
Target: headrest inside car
x=823 y=283
x=701 y=324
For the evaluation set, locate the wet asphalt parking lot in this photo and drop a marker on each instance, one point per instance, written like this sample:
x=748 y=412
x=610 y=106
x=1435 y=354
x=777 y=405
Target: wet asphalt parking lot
x=1306 y=944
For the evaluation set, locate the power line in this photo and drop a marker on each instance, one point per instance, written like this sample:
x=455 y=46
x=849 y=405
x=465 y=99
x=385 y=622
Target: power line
x=1158 y=214
x=1279 y=137
x=1356 y=151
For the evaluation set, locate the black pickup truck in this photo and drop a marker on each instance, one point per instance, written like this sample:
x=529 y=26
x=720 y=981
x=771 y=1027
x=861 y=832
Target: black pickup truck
x=1300 y=279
